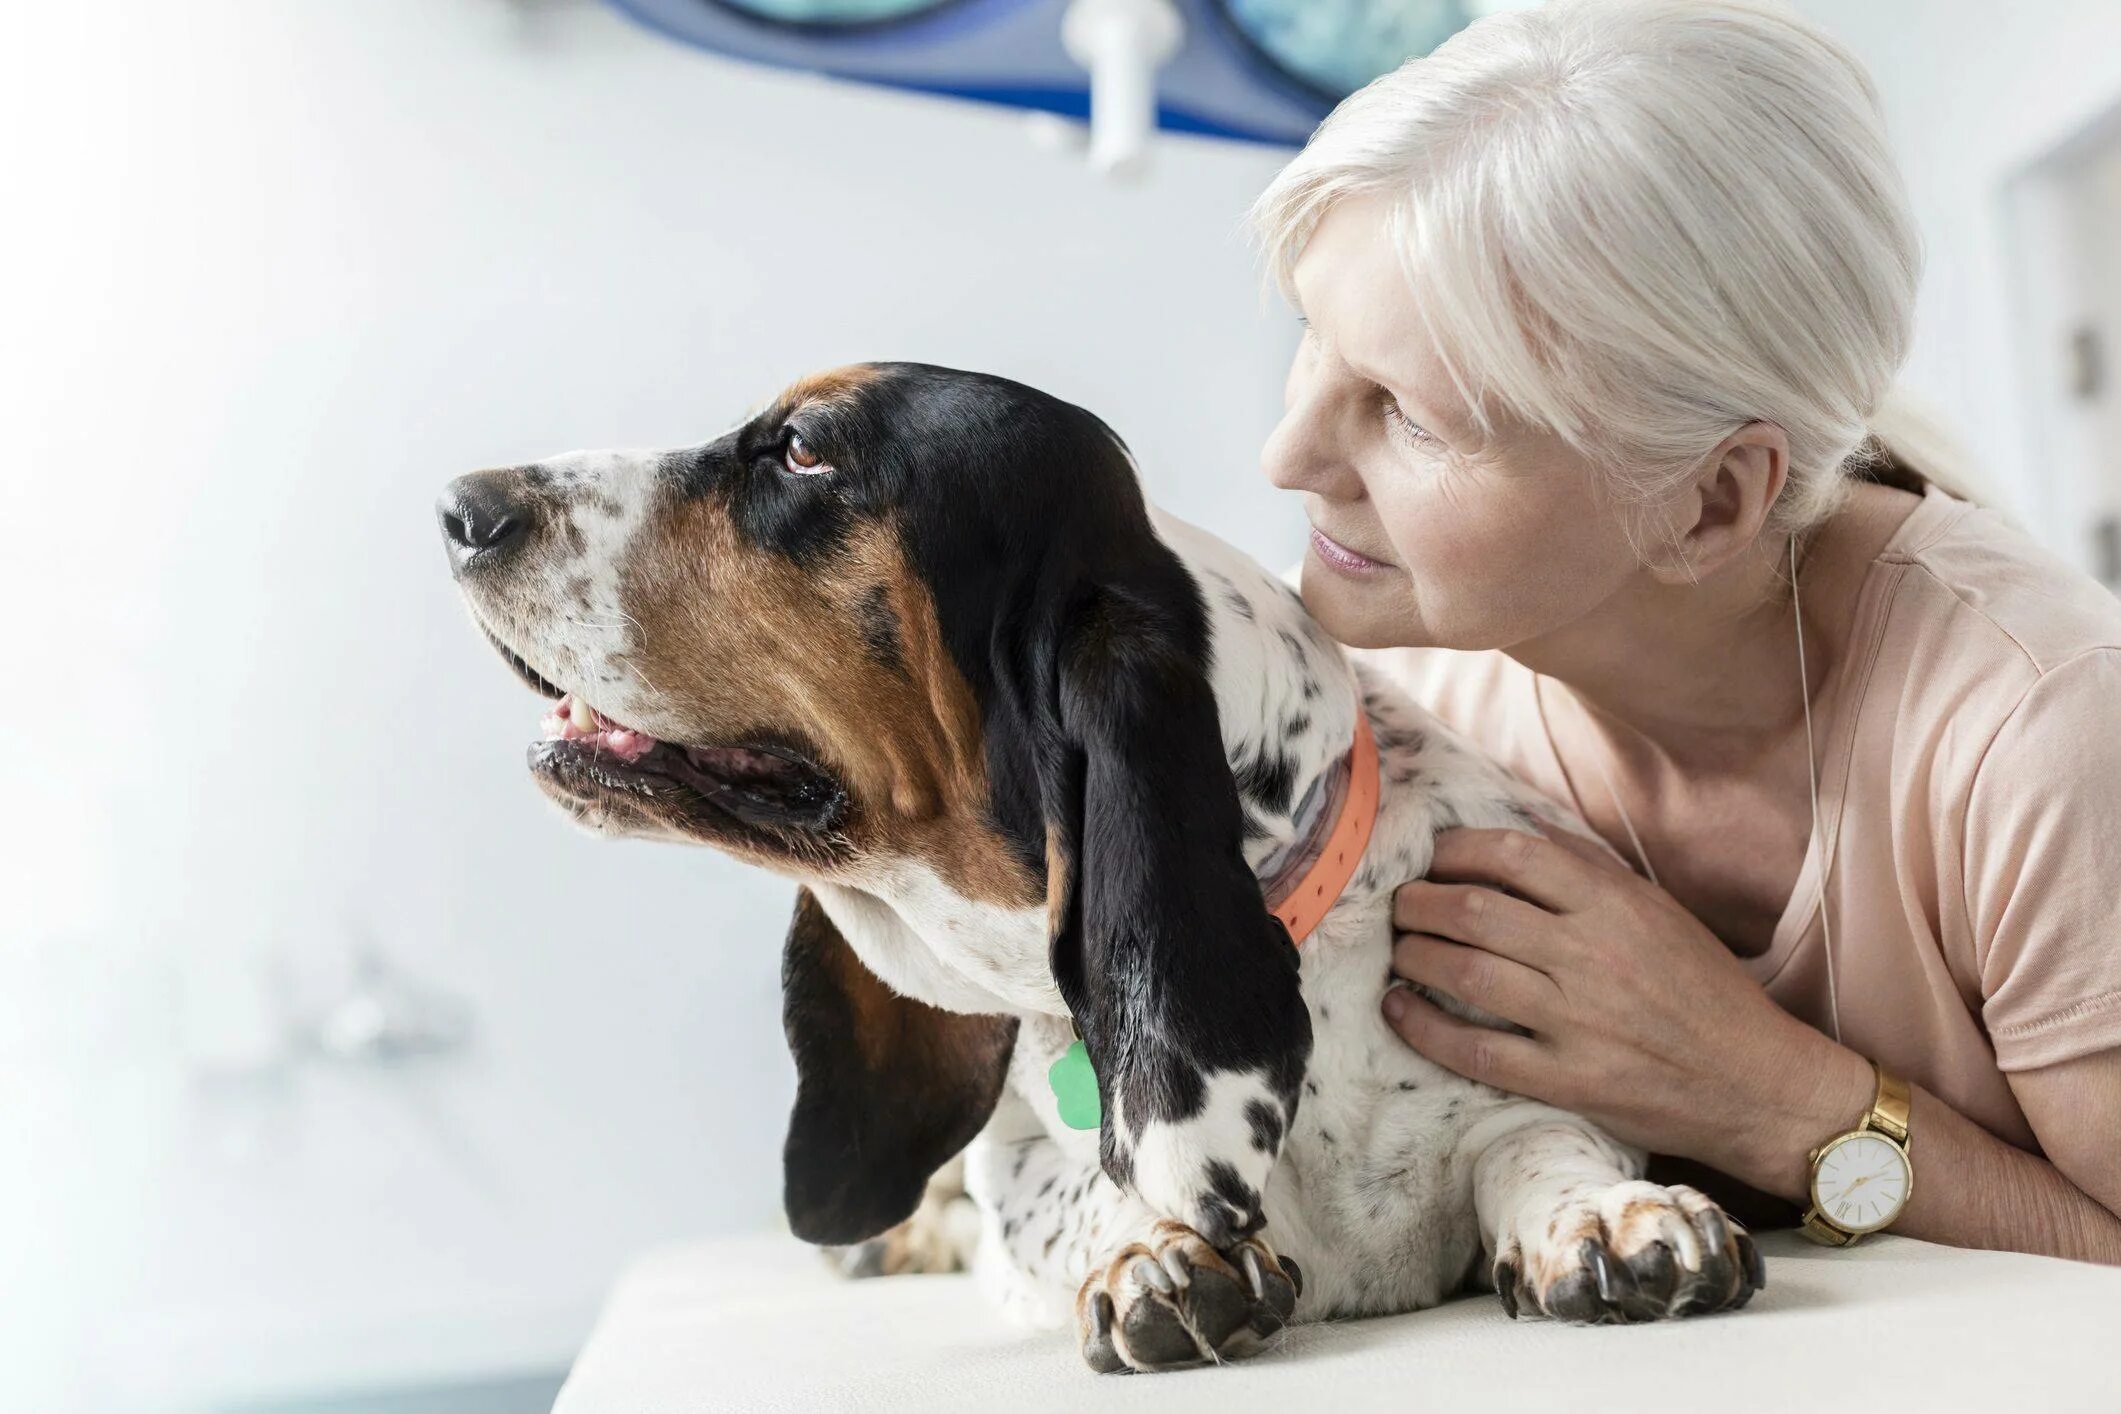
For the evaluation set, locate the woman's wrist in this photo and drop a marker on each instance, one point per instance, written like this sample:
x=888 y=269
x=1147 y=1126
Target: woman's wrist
x=1820 y=1089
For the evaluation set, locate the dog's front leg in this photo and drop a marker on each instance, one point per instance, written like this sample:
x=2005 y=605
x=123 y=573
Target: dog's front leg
x=1572 y=1231
x=1148 y=1293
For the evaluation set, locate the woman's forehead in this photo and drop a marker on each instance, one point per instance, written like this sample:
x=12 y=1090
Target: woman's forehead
x=1349 y=276
x=1353 y=290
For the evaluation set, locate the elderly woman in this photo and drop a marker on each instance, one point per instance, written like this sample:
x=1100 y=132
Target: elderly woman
x=1603 y=302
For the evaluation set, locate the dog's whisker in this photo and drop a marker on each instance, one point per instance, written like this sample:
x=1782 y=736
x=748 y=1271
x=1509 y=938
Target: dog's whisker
x=627 y=663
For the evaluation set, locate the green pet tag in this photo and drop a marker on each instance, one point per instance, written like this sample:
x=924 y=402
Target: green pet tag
x=1075 y=1088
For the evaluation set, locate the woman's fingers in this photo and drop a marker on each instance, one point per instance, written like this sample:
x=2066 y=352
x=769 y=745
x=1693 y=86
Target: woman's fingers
x=1497 y=1058
x=1485 y=980
x=1590 y=851
x=1474 y=913
x=1531 y=866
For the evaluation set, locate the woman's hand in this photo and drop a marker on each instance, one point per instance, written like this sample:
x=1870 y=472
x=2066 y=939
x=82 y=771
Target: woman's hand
x=1639 y=1018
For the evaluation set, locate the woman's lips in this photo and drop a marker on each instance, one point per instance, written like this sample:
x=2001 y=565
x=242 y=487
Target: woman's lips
x=1340 y=557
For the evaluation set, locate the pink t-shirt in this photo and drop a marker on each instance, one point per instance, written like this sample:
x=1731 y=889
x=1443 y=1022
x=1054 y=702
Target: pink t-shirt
x=1970 y=798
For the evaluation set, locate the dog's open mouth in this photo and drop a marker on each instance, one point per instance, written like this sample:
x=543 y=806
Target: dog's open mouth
x=590 y=756
x=584 y=750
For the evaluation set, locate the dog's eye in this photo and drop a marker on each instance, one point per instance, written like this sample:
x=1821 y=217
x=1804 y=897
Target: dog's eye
x=801 y=458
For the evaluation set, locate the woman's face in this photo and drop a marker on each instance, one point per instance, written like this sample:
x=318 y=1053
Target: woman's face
x=1424 y=532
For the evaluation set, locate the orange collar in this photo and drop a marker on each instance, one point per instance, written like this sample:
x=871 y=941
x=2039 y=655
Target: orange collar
x=1305 y=905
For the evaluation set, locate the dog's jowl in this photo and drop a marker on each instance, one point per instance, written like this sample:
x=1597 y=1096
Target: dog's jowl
x=1041 y=758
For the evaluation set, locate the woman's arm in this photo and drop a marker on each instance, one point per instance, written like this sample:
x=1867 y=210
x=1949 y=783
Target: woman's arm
x=1644 y=1022
x=1995 y=1195
x=1973 y=1189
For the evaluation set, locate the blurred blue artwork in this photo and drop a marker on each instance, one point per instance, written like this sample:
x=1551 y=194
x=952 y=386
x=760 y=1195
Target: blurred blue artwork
x=1257 y=70
x=1336 y=46
x=833 y=12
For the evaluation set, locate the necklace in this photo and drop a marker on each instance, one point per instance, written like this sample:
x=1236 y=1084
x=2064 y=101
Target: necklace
x=1811 y=761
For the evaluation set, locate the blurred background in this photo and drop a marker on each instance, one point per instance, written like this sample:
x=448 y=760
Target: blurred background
x=336 y=1072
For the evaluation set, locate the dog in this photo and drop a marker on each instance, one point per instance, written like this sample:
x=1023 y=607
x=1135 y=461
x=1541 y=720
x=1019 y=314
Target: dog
x=913 y=637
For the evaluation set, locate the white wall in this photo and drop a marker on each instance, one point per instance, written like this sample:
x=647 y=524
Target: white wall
x=283 y=268
x=1973 y=92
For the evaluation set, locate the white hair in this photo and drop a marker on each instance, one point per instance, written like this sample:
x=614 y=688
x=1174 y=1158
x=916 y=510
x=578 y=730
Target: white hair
x=1639 y=225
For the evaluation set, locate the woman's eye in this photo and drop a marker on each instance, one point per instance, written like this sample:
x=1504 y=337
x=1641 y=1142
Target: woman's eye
x=1405 y=426
x=800 y=458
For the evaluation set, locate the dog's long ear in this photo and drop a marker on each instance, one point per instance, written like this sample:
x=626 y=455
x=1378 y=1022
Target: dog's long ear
x=887 y=1088
x=1184 y=986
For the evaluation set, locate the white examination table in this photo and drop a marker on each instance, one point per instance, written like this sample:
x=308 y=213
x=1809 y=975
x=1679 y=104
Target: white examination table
x=1890 y=1325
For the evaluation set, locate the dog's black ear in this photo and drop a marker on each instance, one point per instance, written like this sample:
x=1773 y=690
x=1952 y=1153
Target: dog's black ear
x=1184 y=987
x=888 y=1089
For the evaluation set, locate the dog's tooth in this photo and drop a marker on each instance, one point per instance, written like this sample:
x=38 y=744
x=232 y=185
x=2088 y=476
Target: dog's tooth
x=582 y=715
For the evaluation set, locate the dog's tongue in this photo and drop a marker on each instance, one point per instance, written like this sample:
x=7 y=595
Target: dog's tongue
x=572 y=719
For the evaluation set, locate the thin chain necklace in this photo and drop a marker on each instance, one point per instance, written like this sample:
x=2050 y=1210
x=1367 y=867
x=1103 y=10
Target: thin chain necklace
x=1811 y=760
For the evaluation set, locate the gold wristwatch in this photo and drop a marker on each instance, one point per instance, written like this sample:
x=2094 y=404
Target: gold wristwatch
x=1861 y=1180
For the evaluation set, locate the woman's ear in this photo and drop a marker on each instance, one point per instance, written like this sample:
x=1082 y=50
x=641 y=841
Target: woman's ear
x=1720 y=514
x=1184 y=987
x=888 y=1089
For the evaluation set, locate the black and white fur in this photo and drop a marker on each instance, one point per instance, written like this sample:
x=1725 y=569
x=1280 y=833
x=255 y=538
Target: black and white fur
x=1399 y=1183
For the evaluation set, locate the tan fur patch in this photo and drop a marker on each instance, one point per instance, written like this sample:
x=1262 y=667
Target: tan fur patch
x=828 y=386
x=1558 y=1254
x=742 y=643
x=1058 y=880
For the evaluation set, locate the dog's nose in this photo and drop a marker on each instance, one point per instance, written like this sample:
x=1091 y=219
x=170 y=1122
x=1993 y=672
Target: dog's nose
x=481 y=515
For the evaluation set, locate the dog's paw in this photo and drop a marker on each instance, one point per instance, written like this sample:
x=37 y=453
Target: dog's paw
x=940 y=1237
x=1631 y=1252
x=1174 y=1301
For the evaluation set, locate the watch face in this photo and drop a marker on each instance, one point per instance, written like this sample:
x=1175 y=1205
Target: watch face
x=1862 y=1182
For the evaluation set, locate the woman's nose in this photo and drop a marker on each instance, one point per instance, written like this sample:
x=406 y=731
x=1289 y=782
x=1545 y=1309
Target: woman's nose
x=1303 y=453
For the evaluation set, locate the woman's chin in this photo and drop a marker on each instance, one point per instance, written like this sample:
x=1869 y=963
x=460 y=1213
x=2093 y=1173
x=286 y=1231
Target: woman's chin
x=1372 y=611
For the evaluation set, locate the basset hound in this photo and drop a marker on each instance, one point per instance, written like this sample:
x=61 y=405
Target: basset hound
x=1046 y=763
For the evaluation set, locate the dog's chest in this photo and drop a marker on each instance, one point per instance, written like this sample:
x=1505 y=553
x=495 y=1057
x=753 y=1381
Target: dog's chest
x=1374 y=1177
x=1370 y=1180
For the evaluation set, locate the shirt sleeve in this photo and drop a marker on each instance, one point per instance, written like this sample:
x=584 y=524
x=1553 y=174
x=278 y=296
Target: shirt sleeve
x=2043 y=868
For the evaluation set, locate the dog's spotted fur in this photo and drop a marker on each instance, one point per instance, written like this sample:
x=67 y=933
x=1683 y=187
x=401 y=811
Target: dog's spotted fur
x=1000 y=872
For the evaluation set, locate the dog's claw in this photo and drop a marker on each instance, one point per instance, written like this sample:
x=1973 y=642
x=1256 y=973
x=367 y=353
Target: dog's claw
x=1602 y=1272
x=1714 y=1230
x=1755 y=1265
x=1098 y=1350
x=1174 y=1262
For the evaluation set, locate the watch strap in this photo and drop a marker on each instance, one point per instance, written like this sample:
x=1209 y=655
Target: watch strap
x=1890 y=1106
x=1821 y=1229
